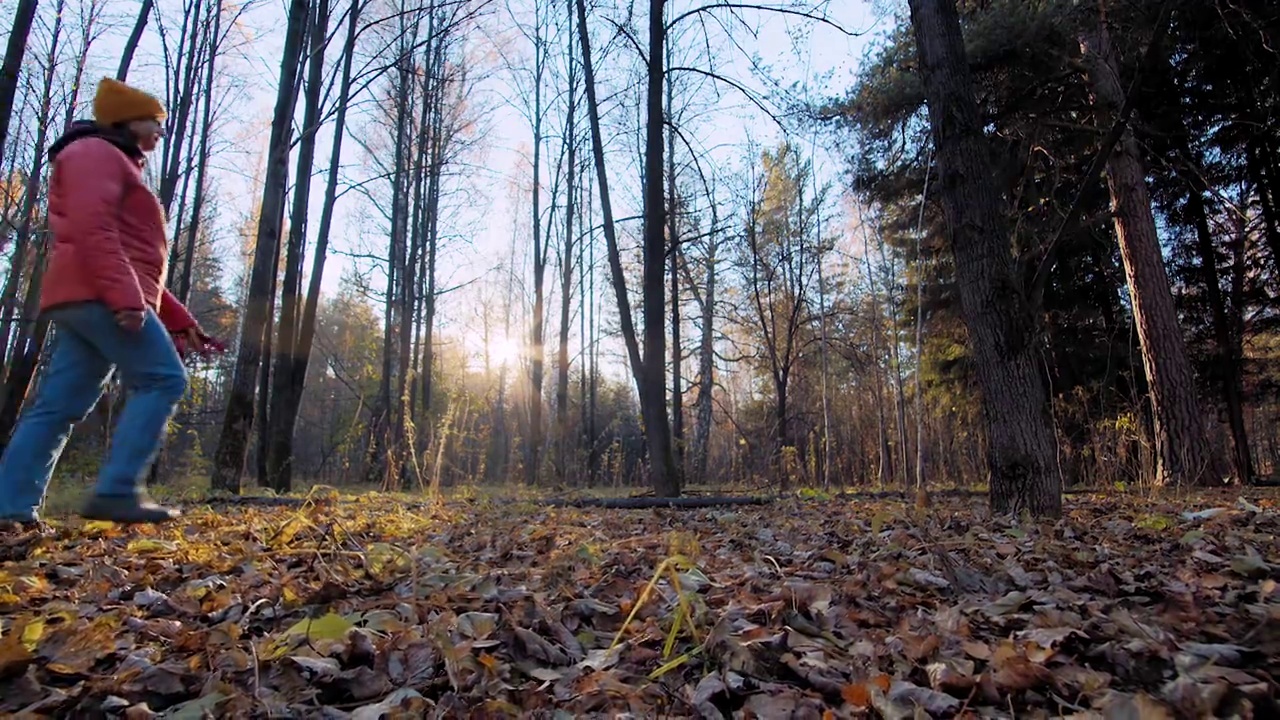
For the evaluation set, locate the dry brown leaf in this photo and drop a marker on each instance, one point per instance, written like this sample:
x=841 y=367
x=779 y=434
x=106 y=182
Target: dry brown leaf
x=487 y=628
x=856 y=694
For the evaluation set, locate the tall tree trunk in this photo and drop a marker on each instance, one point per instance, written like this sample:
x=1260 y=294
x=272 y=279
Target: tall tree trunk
x=1235 y=348
x=593 y=355
x=436 y=161
x=31 y=335
x=178 y=120
x=202 y=156
x=291 y=297
x=1230 y=362
x=135 y=37
x=618 y=279
x=1020 y=442
x=14 y=53
x=285 y=416
x=585 y=302
x=433 y=249
x=380 y=439
x=411 y=348
x=663 y=475
x=566 y=274
x=652 y=391
x=27 y=229
x=706 y=361
x=1259 y=156
x=537 y=332
x=895 y=350
x=885 y=466
x=673 y=252
x=401 y=451
x=233 y=443
x=1182 y=448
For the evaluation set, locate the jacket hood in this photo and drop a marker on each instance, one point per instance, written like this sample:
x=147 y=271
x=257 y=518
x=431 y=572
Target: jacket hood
x=82 y=129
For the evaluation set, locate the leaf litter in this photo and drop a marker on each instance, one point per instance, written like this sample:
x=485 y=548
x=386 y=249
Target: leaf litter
x=806 y=609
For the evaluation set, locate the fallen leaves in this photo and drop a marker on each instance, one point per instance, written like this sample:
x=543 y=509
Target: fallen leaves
x=809 y=608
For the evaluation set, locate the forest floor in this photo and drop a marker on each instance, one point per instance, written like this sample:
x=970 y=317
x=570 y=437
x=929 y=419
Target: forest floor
x=1129 y=607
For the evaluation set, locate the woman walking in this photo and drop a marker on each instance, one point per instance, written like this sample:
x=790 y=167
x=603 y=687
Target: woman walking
x=104 y=294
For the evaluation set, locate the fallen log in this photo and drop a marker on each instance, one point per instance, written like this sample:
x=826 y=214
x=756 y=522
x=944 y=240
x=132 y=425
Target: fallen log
x=644 y=503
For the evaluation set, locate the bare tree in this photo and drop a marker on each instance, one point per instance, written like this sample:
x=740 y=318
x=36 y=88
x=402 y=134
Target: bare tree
x=238 y=421
x=288 y=398
x=286 y=346
x=15 y=51
x=135 y=37
x=567 y=251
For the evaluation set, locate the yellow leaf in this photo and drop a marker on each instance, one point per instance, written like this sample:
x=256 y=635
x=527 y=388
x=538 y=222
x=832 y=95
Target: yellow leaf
x=32 y=633
x=152 y=545
x=95 y=526
x=327 y=627
x=1155 y=522
x=73 y=648
x=383 y=560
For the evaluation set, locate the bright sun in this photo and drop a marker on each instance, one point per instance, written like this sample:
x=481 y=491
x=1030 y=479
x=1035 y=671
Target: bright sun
x=503 y=351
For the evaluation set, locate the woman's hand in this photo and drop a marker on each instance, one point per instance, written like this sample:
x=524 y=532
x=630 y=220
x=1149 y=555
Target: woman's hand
x=130 y=320
x=193 y=339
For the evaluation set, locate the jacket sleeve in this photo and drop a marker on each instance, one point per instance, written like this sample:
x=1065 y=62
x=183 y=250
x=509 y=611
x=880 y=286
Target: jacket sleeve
x=91 y=177
x=175 y=317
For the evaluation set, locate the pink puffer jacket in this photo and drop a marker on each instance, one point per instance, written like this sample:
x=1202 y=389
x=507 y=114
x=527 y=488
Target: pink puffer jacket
x=109 y=239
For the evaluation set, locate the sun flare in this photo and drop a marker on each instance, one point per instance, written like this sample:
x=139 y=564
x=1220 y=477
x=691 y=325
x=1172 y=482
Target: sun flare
x=502 y=351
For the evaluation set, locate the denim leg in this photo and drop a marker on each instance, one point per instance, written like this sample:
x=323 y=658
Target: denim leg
x=154 y=377
x=65 y=392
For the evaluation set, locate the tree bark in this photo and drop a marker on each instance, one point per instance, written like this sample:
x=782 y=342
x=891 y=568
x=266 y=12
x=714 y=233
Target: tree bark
x=1228 y=350
x=1182 y=448
x=285 y=416
x=885 y=465
x=533 y=452
x=135 y=37
x=618 y=279
x=433 y=246
x=185 y=74
x=202 y=160
x=1020 y=442
x=380 y=438
x=706 y=360
x=233 y=443
x=27 y=230
x=286 y=345
x=566 y=274
x=31 y=335
x=14 y=53
x=1259 y=156
x=673 y=258
x=663 y=475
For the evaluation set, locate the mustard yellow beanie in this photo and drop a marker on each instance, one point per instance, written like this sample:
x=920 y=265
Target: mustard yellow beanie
x=116 y=103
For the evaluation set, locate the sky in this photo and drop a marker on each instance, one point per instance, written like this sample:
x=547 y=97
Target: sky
x=788 y=49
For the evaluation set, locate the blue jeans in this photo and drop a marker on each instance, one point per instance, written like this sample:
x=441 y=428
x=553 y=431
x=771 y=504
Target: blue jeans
x=87 y=346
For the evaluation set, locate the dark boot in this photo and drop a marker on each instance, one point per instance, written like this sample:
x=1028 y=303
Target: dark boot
x=137 y=508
